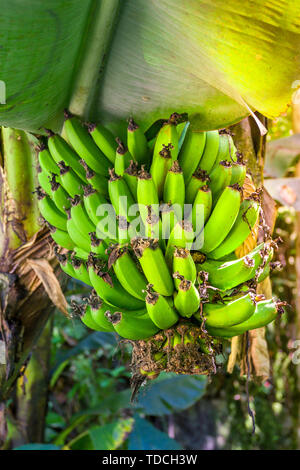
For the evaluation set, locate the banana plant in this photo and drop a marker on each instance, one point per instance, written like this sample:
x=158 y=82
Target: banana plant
x=109 y=60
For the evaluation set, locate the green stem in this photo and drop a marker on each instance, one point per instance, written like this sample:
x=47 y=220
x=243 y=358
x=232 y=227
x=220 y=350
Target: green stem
x=101 y=22
x=20 y=173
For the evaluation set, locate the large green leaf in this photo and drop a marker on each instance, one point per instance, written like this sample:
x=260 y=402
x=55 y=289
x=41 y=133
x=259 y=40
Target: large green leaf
x=171 y=392
x=107 y=437
x=204 y=57
x=147 y=437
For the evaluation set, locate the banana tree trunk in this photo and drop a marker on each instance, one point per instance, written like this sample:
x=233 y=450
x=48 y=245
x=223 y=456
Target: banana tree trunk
x=27 y=263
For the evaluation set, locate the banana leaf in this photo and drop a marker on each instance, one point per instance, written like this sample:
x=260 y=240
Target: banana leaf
x=107 y=60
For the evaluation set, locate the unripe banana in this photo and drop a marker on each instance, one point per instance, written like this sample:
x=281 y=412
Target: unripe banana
x=137 y=143
x=238 y=173
x=131 y=178
x=81 y=254
x=174 y=187
x=154 y=265
x=59 y=195
x=80 y=217
x=187 y=299
x=98 y=308
x=87 y=320
x=159 y=310
x=98 y=182
x=220 y=178
x=134 y=327
x=245 y=221
x=199 y=179
x=222 y=218
x=227 y=275
x=210 y=151
x=160 y=167
x=167 y=137
x=80 y=240
x=201 y=208
x=50 y=212
x=181 y=236
x=101 y=214
x=84 y=145
x=127 y=273
x=229 y=313
x=265 y=312
x=61 y=151
x=44 y=178
x=98 y=246
x=191 y=152
x=61 y=237
x=109 y=288
x=46 y=161
x=69 y=180
x=147 y=196
x=123 y=158
x=80 y=270
x=64 y=260
x=120 y=196
x=184 y=265
x=169 y=217
x=104 y=139
x=223 y=152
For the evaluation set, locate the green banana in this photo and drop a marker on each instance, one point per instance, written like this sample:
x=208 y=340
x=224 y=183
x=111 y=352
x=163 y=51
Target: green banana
x=46 y=161
x=120 y=195
x=210 y=151
x=229 y=313
x=44 y=181
x=199 y=179
x=147 y=196
x=265 y=312
x=49 y=210
x=244 y=223
x=182 y=236
x=123 y=158
x=65 y=262
x=98 y=182
x=98 y=246
x=104 y=140
x=167 y=137
x=109 y=288
x=131 y=178
x=137 y=143
x=222 y=218
x=128 y=273
x=87 y=319
x=174 y=187
x=226 y=275
x=201 y=208
x=84 y=145
x=98 y=308
x=101 y=213
x=238 y=173
x=61 y=151
x=133 y=327
x=160 y=167
x=69 y=180
x=159 y=309
x=220 y=178
x=184 y=265
x=79 y=240
x=191 y=152
x=80 y=270
x=59 y=195
x=187 y=299
x=154 y=265
x=223 y=152
x=80 y=217
x=61 y=237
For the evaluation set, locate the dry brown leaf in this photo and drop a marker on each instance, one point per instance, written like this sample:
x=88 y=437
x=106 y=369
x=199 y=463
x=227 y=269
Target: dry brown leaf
x=248 y=186
x=45 y=273
x=236 y=348
x=259 y=354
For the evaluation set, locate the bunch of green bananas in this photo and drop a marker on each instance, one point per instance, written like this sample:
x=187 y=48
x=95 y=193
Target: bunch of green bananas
x=152 y=227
